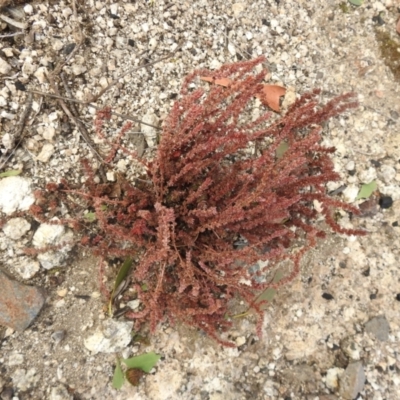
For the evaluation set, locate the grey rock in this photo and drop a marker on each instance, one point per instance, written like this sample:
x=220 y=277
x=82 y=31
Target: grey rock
x=15 y=194
x=352 y=381
x=19 y=304
x=378 y=327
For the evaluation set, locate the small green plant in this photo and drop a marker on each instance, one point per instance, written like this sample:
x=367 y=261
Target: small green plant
x=136 y=367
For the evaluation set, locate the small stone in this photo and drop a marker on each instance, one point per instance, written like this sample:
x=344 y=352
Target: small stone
x=238 y=8
x=110 y=176
x=28 y=9
x=58 y=336
x=8 y=141
x=29 y=67
x=332 y=378
x=46 y=153
x=15 y=228
x=113 y=336
x=387 y=173
x=15 y=194
x=52 y=235
x=352 y=381
x=350 y=193
x=153 y=43
x=60 y=393
x=133 y=304
x=40 y=74
x=231 y=49
x=149 y=132
x=24 y=379
x=368 y=175
x=351 y=348
x=78 y=69
x=240 y=341
x=49 y=133
x=62 y=292
x=385 y=202
x=57 y=45
x=350 y=166
x=15 y=358
x=327 y=296
x=5 y=67
x=26 y=268
x=378 y=327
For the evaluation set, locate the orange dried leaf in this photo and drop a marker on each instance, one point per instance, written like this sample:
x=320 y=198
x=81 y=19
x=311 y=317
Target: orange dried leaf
x=222 y=81
x=271 y=95
x=398 y=26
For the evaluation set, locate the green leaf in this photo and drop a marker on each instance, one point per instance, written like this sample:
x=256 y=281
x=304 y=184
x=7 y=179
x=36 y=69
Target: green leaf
x=90 y=216
x=356 y=2
x=269 y=293
x=366 y=190
x=281 y=149
x=145 y=362
x=122 y=273
x=278 y=276
x=119 y=377
x=11 y=172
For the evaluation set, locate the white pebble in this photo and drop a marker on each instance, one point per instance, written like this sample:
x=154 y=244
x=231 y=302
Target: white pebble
x=28 y=9
x=5 y=67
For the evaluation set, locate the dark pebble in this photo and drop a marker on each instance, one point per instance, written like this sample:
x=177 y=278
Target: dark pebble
x=131 y=42
x=398 y=296
x=394 y=114
x=20 y=86
x=376 y=163
x=385 y=202
x=378 y=20
x=68 y=48
x=395 y=223
x=327 y=296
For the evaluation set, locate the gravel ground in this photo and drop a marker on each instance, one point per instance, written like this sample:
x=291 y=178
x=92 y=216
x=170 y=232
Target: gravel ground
x=331 y=334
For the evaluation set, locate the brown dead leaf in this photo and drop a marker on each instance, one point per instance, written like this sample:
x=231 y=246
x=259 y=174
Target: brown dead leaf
x=222 y=81
x=270 y=95
x=398 y=26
